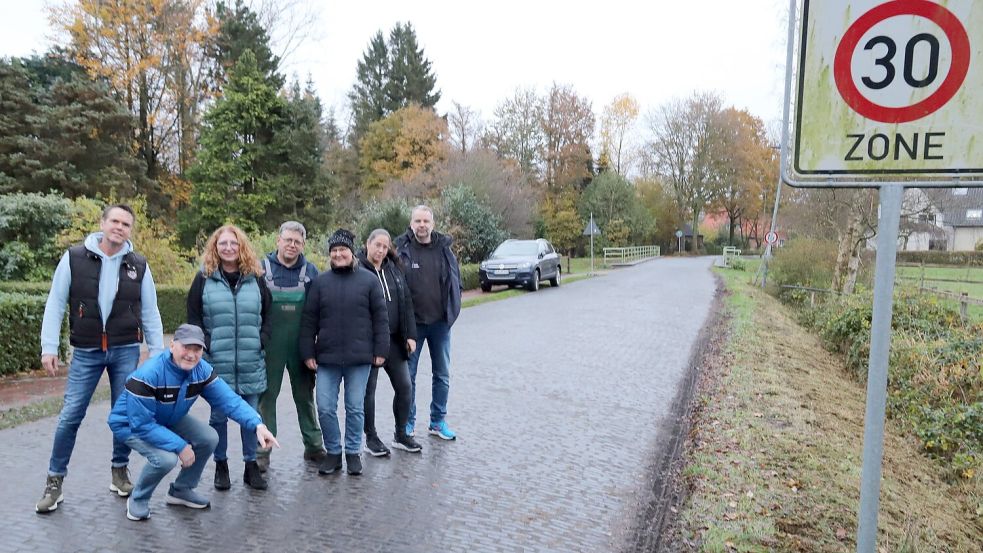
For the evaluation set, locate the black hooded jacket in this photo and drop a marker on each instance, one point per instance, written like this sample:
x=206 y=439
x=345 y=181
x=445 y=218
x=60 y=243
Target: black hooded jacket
x=402 y=322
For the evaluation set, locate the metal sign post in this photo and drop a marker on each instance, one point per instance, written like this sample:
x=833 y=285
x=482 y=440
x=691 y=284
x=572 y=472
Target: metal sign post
x=887 y=98
x=679 y=241
x=880 y=345
x=590 y=230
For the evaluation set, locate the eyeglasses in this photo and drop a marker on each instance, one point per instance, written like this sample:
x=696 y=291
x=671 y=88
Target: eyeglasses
x=228 y=244
x=292 y=242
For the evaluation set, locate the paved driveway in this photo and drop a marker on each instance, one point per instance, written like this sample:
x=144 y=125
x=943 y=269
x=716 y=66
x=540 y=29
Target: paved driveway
x=558 y=399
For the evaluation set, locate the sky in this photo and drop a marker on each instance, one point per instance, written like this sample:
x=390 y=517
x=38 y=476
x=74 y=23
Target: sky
x=482 y=51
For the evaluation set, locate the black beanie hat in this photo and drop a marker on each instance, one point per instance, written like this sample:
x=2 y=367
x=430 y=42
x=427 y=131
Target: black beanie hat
x=342 y=237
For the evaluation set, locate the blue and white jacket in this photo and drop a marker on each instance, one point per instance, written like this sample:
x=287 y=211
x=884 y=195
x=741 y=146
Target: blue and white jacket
x=160 y=393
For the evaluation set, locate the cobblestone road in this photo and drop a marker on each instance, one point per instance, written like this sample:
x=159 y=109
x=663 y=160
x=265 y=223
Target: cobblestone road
x=557 y=397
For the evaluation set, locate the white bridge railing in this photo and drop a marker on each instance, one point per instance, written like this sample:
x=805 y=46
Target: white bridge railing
x=624 y=256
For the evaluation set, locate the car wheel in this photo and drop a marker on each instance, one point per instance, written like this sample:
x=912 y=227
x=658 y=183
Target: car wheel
x=555 y=281
x=534 y=285
x=485 y=287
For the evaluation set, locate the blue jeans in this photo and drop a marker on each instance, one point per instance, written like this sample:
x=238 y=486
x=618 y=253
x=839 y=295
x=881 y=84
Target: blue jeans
x=438 y=336
x=203 y=440
x=220 y=422
x=83 y=377
x=329 y=379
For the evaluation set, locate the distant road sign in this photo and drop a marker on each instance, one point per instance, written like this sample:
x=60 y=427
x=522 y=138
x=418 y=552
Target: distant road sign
x=889 y=89
x=591 y=229
x=771 y=237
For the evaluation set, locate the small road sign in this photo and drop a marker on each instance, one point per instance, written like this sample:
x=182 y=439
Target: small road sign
x=887 y=90
x=591 y=229
x=771 y=237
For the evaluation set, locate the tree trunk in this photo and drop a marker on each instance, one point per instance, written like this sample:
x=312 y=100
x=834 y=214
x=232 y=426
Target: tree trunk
x=853 y=267
x=696 y=232
x=845 y=255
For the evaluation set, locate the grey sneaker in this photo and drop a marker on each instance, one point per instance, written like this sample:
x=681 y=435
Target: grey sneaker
x=137 y=509
x=52 y=495
x=187 y=498
x=121 y=482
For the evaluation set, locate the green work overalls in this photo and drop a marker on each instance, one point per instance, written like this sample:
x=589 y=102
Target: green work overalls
x=282 y=350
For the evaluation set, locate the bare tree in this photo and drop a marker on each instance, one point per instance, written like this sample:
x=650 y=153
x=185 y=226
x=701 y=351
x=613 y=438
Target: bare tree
x=688 y=152
x=515 y=133
x=465 y=127
x=290 y=23
x=567 y=122
x=617 y=124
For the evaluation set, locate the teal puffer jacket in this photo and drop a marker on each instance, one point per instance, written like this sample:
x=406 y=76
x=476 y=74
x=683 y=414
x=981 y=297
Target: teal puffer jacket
x=234 y=321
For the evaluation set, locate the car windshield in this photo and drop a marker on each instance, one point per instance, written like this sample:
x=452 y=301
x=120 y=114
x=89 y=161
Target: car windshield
x=522 y=248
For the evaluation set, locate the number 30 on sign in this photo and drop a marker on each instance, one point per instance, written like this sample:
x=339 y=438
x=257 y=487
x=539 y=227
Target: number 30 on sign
x=889 y=88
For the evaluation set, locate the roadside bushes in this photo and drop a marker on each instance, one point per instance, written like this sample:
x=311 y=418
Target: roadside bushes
x=935 y=378
x=803 y=262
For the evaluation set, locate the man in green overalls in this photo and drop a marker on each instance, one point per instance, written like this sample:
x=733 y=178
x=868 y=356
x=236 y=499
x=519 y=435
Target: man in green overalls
x=288 y=276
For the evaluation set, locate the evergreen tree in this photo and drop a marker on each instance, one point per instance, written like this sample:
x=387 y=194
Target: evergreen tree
x=368 y=95
x=390 y=76
x=304 y=189
x=410 y=78
x=60 y=130
x=235 y=173
x=240 y=30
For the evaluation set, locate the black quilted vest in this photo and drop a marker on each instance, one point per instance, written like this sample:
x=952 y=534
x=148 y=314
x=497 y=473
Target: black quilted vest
x=124 y=326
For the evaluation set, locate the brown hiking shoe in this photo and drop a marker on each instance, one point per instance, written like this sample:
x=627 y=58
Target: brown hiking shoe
x=121 y=482
x=315 y=455
x=52 y=495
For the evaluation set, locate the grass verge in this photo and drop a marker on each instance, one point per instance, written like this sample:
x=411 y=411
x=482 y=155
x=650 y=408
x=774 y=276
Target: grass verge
x=46 y=407
x=773 y=460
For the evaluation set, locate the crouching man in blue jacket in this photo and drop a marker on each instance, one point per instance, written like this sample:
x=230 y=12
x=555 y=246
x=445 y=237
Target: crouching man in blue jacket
x=151 y=416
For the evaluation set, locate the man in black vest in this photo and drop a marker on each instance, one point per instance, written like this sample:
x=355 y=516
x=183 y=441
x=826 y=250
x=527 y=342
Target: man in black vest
x=112 y=307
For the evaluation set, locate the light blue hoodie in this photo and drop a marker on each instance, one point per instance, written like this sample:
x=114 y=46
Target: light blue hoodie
x=54 y=309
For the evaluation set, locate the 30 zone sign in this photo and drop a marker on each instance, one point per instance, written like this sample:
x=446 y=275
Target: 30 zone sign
x=888 y=89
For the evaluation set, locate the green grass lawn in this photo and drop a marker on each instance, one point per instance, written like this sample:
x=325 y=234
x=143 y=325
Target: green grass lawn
x=971 y=277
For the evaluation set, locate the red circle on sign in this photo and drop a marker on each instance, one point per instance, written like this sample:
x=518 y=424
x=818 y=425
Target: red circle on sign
x=942 y=17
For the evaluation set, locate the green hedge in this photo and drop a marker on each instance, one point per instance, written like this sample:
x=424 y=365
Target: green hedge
x=20 y=332
x=172 y=301
x=942 y=258
x=469 y=276
x=22 y=287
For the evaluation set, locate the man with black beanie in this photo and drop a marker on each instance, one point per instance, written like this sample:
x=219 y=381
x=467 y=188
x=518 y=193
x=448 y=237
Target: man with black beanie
x=344 y=332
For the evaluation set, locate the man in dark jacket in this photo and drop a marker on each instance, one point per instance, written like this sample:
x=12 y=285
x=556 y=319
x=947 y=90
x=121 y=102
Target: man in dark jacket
x=151 y=416
x=434 y=279
x=289 y=276
x=344 y=331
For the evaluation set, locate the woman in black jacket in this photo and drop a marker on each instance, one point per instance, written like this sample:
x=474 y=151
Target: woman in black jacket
x=380 y=258
x=344 y=331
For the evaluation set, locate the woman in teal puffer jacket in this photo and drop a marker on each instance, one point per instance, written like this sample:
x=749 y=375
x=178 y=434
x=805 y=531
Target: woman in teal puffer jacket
x=231 y=303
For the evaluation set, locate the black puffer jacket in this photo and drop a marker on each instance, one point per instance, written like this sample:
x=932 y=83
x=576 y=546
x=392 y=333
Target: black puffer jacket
x=398 y=299
x=345 y=321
